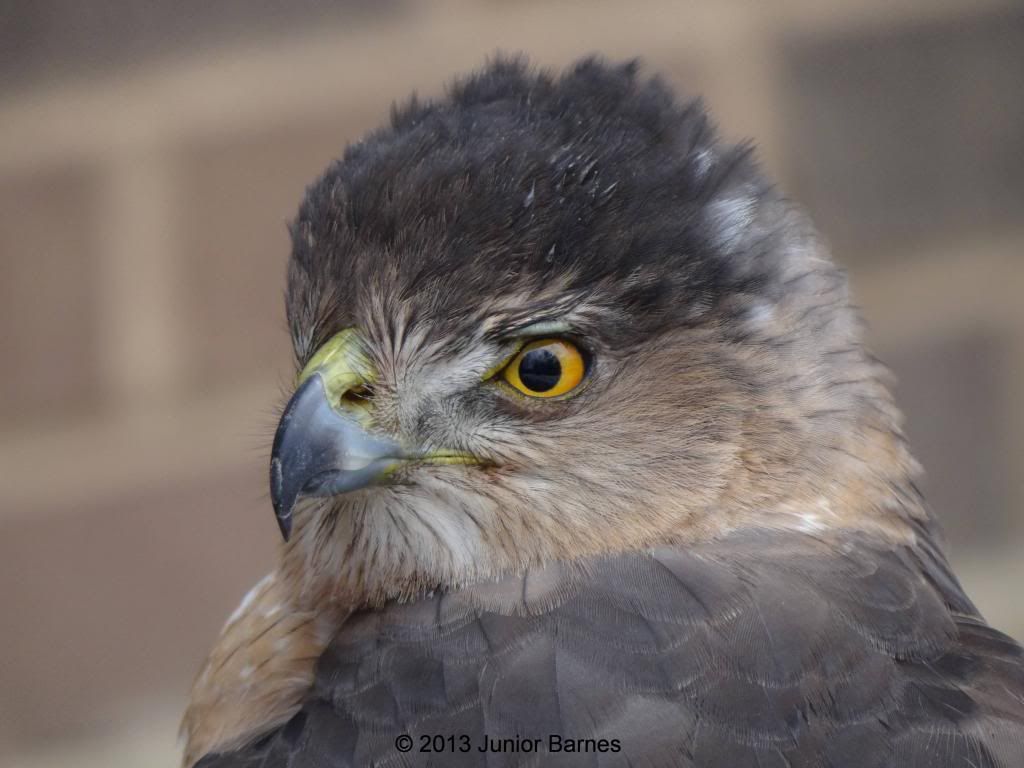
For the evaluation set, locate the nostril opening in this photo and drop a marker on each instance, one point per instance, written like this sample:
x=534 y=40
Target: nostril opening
x=356 y=395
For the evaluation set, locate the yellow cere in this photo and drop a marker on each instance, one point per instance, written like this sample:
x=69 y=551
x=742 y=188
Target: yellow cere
x=342 y=363
x=546 y=368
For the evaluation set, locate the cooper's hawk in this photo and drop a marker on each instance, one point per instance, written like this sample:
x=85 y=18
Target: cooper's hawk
x=587 y=465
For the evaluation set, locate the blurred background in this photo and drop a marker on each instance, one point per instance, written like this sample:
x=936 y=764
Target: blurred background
x=151 y=152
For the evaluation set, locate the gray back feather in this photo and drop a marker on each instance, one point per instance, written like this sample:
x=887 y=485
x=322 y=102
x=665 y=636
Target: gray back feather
x=762 y=649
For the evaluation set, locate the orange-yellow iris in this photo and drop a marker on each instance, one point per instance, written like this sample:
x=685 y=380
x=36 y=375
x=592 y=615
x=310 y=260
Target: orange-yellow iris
x=546 y=368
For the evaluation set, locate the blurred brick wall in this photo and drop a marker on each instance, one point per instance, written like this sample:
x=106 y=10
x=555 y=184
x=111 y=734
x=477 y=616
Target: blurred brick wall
x=148 y=165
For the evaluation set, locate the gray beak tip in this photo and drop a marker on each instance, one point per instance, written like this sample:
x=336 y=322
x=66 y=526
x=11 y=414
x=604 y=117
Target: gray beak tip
x=284 y=524
x=282 y=504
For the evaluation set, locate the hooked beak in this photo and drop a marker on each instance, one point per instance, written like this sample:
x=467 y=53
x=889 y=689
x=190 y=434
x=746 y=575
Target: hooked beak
x=321 y=452
x=323 y=446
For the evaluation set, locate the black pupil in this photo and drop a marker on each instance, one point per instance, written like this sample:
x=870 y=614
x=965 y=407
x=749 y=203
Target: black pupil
x=540 y=370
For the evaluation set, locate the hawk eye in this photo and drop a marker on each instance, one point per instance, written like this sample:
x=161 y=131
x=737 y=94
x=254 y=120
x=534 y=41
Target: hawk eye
x=546 y=368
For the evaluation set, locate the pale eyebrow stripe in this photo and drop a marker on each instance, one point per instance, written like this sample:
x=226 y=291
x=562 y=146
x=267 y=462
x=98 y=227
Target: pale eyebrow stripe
x=540 y=328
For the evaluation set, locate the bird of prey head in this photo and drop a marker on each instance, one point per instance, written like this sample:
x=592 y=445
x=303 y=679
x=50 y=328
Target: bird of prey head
x=549 y=320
